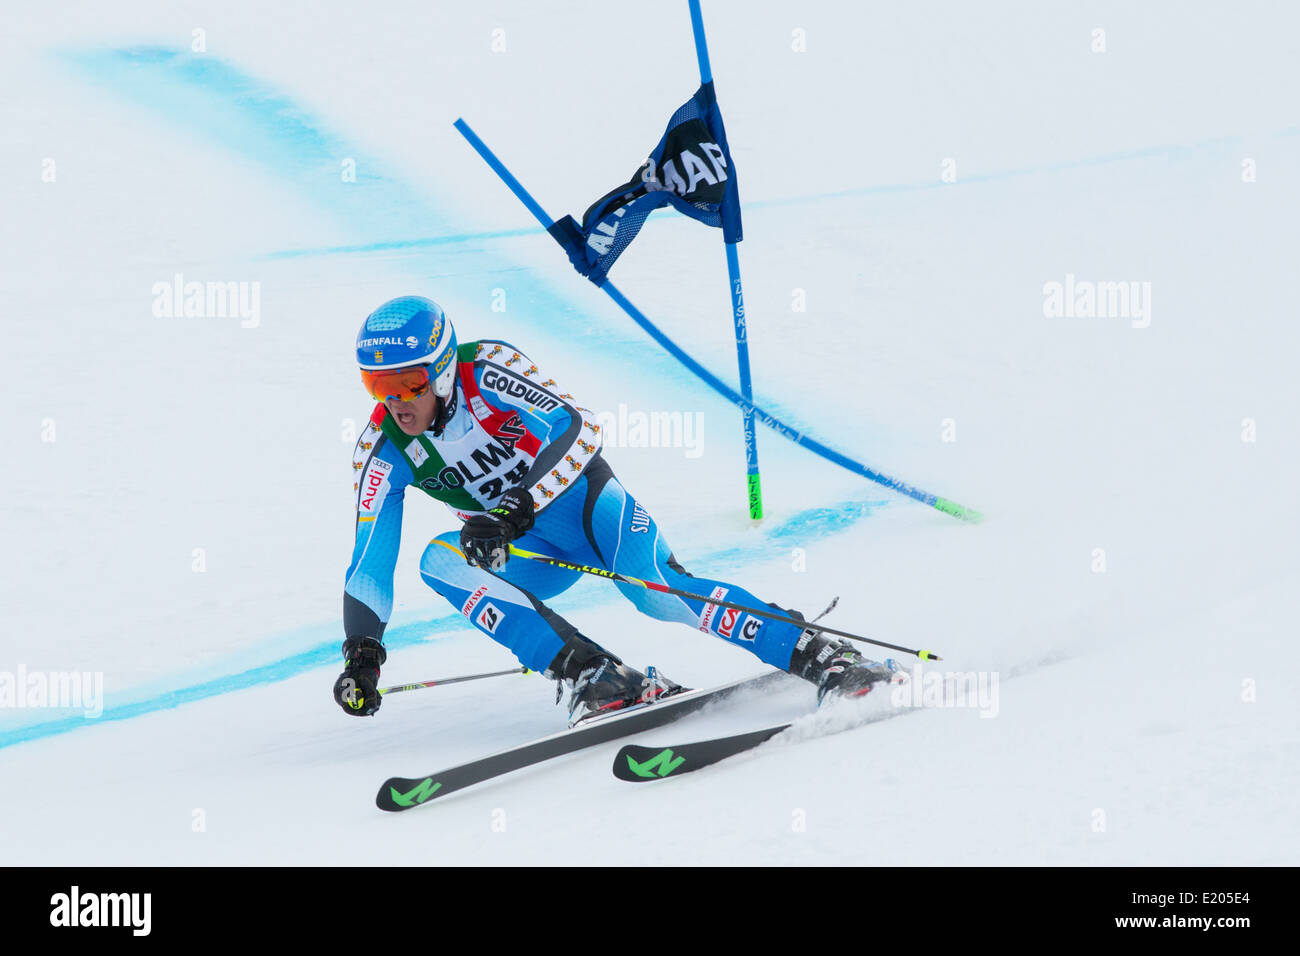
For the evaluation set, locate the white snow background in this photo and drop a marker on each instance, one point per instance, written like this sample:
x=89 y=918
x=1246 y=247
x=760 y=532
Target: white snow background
x=1132 y=589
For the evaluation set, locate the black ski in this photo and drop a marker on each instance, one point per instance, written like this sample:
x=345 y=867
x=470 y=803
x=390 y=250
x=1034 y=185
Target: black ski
x=637 y=764
x=403 y=793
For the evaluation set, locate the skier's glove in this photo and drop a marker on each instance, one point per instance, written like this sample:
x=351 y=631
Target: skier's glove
x=357 y=689
x=485 y=539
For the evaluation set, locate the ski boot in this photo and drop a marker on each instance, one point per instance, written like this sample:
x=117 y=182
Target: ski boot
x=600 y=683
x=838 y=669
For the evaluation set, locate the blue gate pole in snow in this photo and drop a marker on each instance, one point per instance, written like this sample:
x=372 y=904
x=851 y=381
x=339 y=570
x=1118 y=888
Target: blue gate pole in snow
x=754 y=484
x=934 y=501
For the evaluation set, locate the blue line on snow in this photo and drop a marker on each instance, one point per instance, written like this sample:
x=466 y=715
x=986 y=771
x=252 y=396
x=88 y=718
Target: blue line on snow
x=1106 y=159
x=202 y=96
x=392 y=244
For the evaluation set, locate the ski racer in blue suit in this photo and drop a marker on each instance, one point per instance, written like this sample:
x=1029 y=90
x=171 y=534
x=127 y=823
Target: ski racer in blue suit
x=479 y=427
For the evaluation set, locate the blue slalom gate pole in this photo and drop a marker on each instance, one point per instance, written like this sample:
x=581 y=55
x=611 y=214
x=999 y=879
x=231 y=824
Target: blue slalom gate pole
x=942 y=504
x=754 y=484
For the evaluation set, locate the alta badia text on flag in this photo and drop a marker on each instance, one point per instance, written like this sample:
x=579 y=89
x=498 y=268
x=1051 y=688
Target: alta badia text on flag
x=690 y=169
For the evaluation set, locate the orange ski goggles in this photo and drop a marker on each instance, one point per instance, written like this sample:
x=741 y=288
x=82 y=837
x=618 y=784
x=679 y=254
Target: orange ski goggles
x=403 y=384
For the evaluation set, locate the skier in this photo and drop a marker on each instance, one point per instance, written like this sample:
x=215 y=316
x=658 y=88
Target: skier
x=480 y=428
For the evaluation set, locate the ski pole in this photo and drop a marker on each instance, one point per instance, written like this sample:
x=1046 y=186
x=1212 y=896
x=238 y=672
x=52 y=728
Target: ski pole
x=449 y=680
x=655 y=586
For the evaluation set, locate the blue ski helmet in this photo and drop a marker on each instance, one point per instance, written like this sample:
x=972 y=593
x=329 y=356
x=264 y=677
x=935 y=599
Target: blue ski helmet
x=410 y=330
